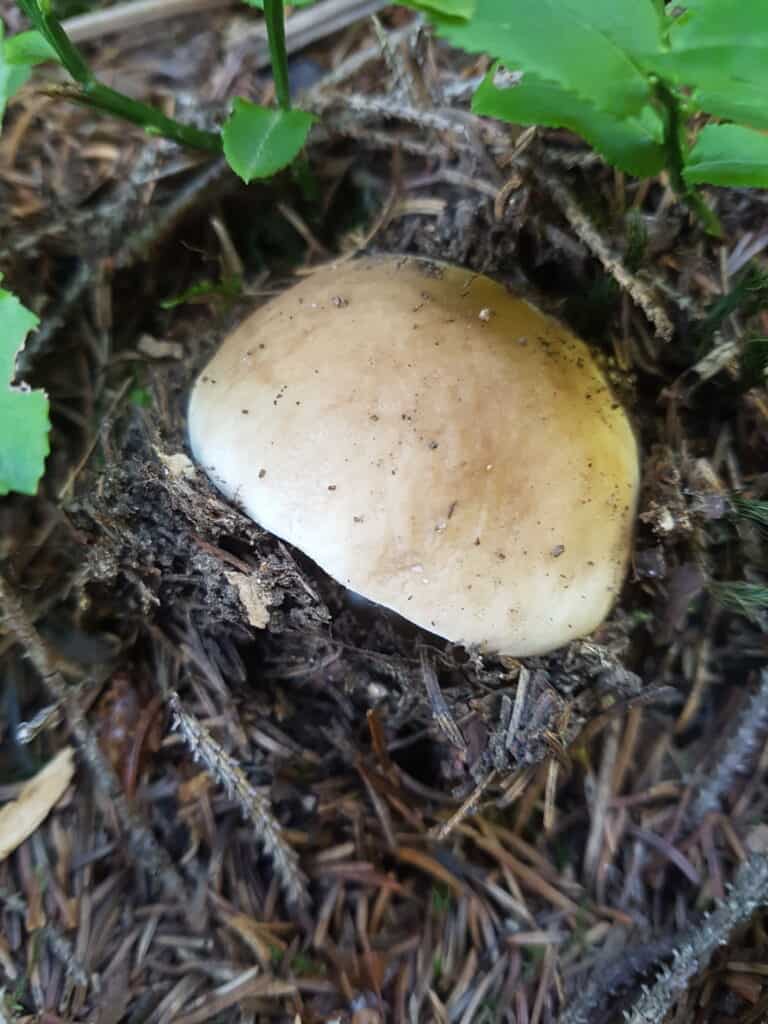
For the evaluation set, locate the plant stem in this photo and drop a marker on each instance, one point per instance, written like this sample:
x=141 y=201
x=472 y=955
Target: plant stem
x=274 y=16
x=92 y=93
x=68 y=54
x=675 y=147
x=153 y=121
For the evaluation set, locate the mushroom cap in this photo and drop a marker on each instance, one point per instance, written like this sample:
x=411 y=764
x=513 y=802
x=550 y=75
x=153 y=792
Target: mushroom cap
x=434 y=443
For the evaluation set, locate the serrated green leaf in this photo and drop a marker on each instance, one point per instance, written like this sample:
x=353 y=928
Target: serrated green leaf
x=717 y=41
x=632 y=144
x=28 y=48
x=636 y=27
x=24 y=423
x=734 y=101
x=463 y=9
x=727 y=154
x=571 y=42
x=260 y=141
x=737 y=28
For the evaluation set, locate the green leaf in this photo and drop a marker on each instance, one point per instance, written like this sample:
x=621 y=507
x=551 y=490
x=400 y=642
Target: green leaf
x=727 y=154
x=731 y=33
x=636 y=27
x=717 y=41
x=463 y=9
x=734 y=101
x=17 y=56
x=632 y=144
x=584 y=47
x=18 y=75
x=7 y=84
x=260 y=141
x=28 y=48
x=24 y=423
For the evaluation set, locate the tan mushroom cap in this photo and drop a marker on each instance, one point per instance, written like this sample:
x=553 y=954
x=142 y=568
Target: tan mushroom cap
x=434 y=443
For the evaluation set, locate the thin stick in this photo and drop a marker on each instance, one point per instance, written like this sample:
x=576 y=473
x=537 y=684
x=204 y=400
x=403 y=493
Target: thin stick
x=441 y=832
x=695 y=947
x=586 y=231
x=737 y=757
x=254 y=806
x=122 y=17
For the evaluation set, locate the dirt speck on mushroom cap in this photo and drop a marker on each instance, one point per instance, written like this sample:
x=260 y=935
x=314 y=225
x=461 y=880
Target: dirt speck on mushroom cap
x=430 y=458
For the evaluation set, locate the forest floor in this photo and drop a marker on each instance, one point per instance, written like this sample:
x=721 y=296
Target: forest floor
x=286 y=806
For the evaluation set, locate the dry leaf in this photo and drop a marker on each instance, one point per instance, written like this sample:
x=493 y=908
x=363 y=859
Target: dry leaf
x=20 y=818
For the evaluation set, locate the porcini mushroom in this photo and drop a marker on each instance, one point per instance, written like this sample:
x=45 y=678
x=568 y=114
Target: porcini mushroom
x=434 y=443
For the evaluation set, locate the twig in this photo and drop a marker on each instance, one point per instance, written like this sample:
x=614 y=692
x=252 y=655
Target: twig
x=137 y=245
x=121 y=17
x=640 y=293
x=392 y=107
x=439 y=706
x=521 y=693
x=697 y=945
x=354 y=64
x=337 y=123
x=469 y=806
x=393 y=56
x=254 y=806
x=141 y=841
x=611 y=977
x=737 y=757
x=310 y=24
x=603 y=790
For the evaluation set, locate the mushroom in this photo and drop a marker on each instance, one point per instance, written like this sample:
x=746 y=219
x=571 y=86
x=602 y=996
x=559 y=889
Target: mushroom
x=433 y=442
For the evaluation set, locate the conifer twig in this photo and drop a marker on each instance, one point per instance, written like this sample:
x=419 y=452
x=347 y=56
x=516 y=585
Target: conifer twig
x=640 y=292
x=737 y=758
x=226 y=771
x=697 y=945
